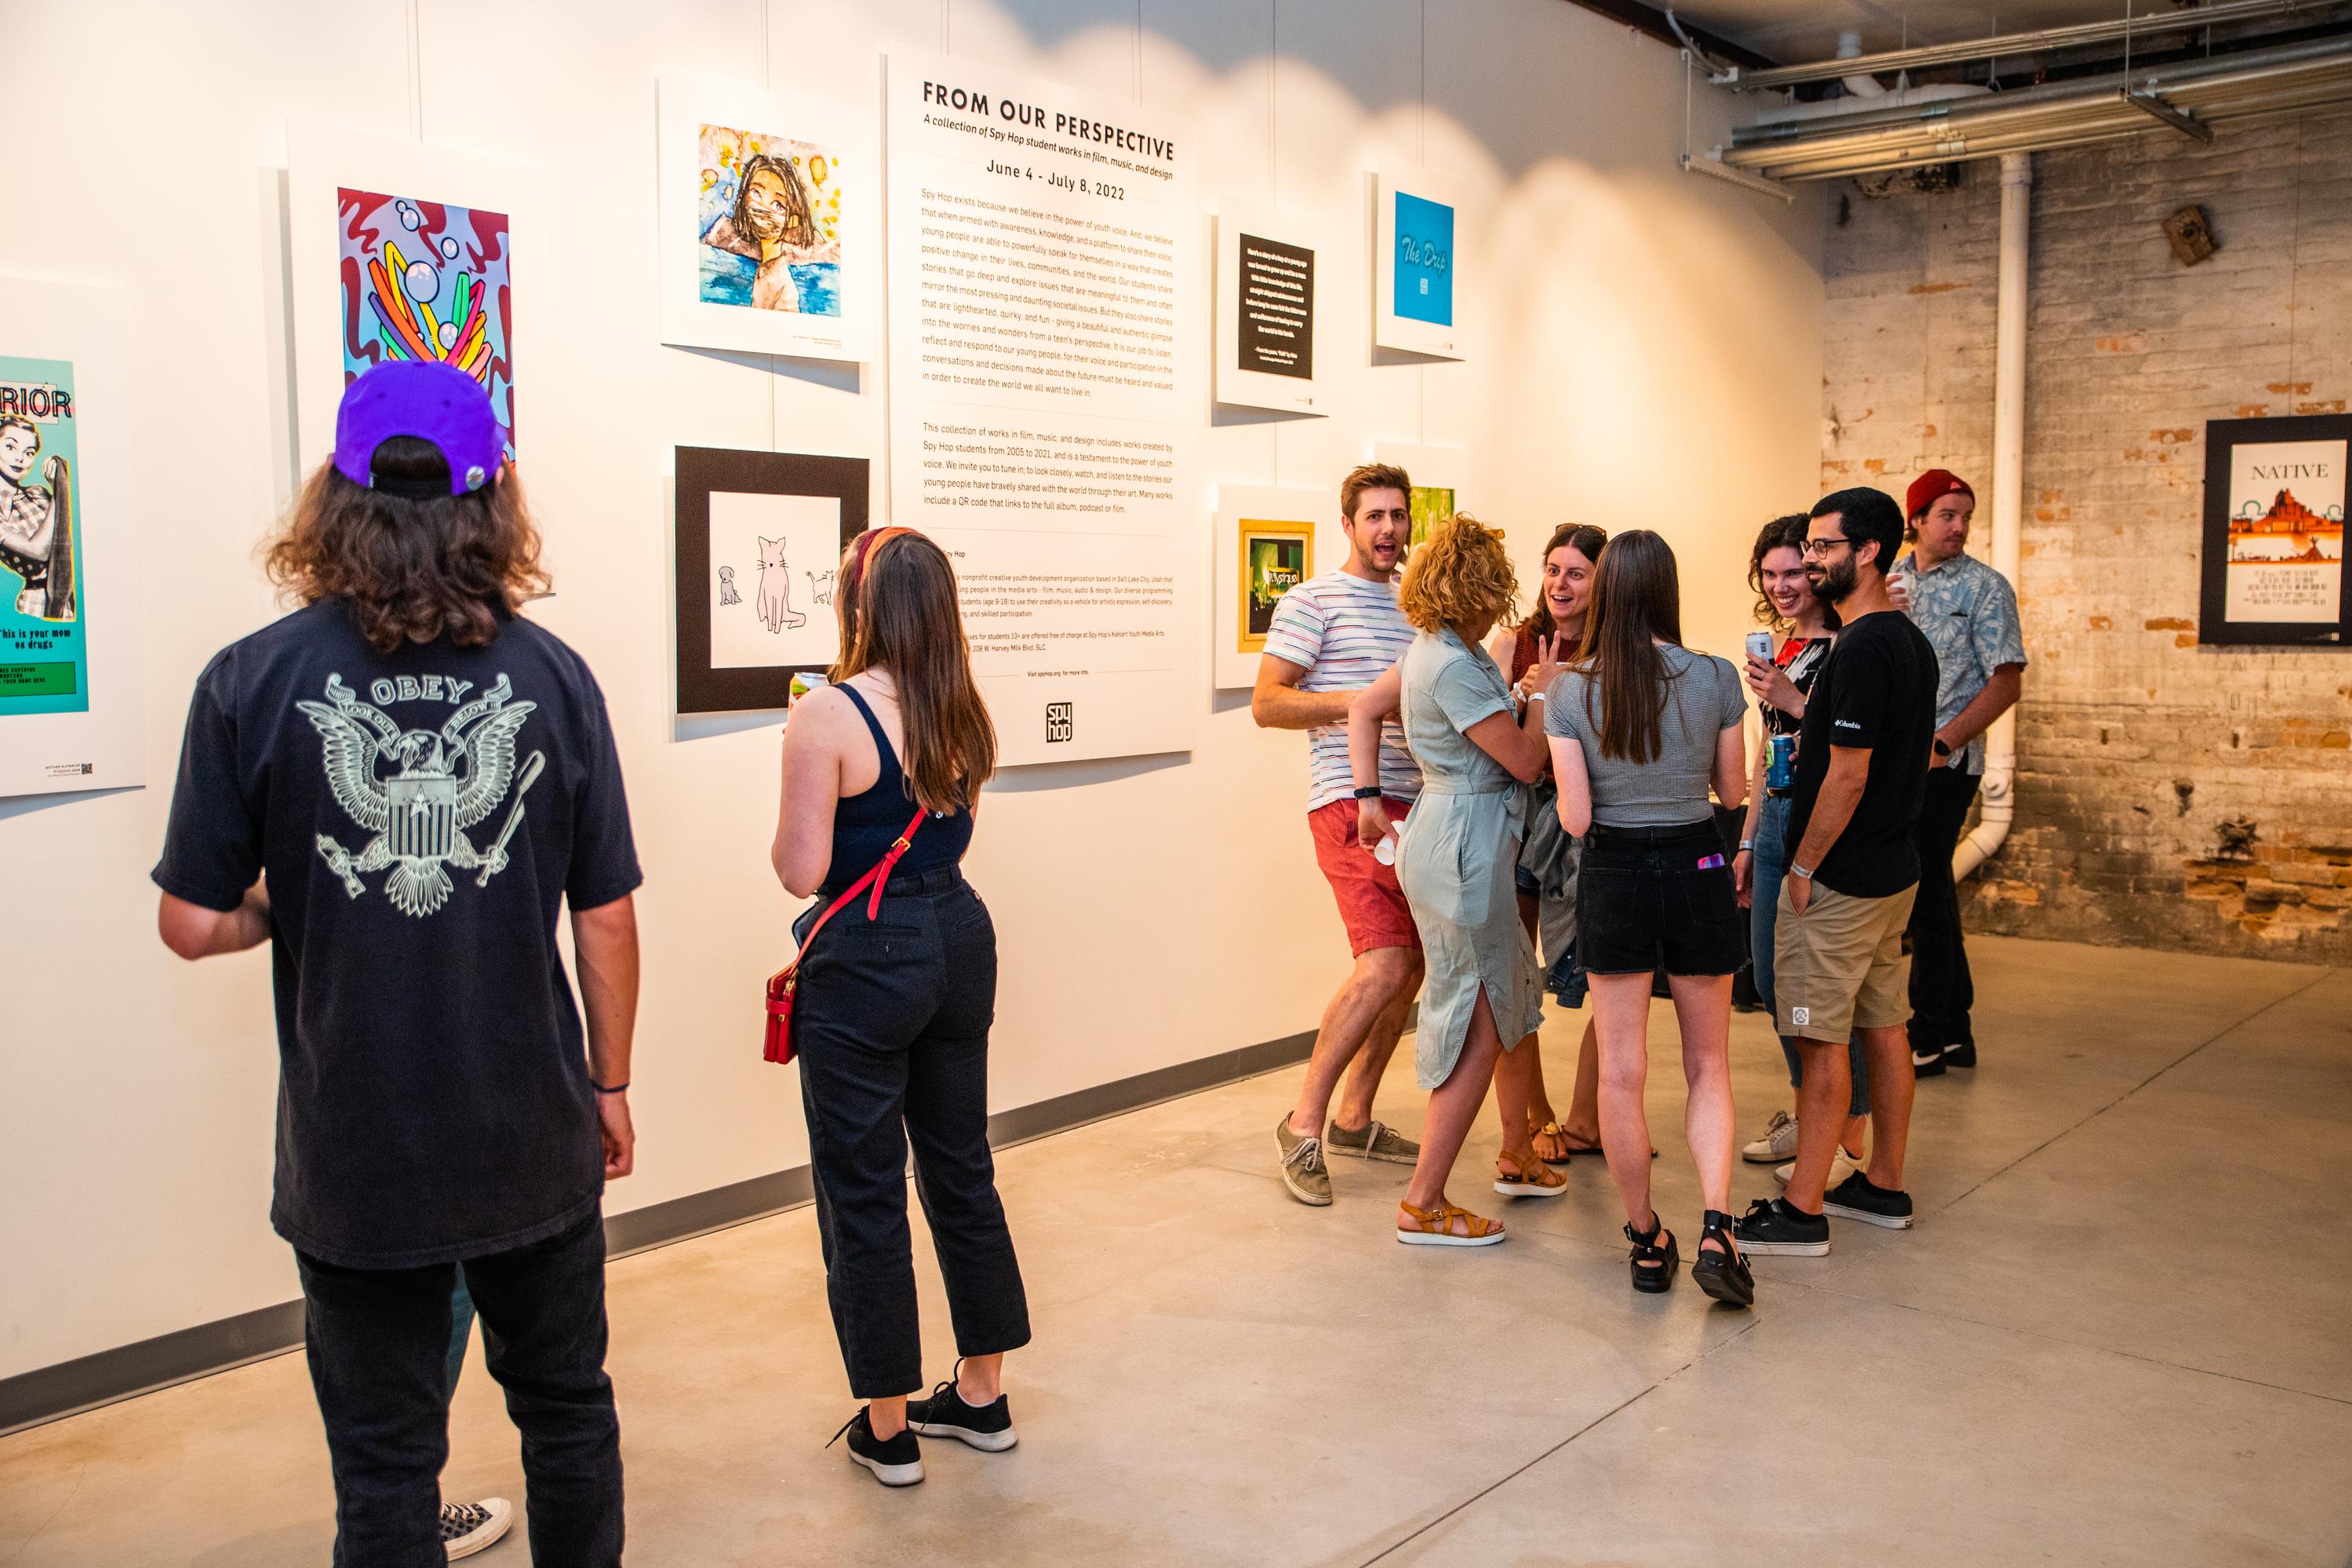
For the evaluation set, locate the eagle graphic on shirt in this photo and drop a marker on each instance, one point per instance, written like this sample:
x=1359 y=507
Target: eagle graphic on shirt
x=440 y=783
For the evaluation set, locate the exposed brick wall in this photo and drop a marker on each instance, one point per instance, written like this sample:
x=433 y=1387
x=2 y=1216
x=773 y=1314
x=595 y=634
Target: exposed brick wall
x=2135 y=743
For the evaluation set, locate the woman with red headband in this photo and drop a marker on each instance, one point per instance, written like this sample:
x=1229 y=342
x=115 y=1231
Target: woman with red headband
x=895 y=999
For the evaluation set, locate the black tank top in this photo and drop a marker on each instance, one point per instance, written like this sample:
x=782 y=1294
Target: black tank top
x=864 y=824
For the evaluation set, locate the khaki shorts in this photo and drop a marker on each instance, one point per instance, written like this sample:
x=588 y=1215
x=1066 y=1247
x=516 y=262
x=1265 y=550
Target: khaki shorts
x=1838 y=967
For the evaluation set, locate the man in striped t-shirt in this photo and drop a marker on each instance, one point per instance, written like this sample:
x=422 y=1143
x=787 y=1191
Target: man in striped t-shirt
x=1332 y=636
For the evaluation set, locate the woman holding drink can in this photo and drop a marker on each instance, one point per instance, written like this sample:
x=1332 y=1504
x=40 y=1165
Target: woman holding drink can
x=1781 y=675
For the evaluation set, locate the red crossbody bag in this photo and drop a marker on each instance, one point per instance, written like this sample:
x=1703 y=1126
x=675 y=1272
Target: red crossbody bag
x=781 y=983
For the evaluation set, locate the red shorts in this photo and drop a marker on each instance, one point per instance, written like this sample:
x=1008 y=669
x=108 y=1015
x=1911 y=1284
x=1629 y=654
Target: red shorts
x=1372 y=905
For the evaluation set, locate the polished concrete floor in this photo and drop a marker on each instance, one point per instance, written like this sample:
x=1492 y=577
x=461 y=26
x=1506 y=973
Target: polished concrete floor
x=2121 y=1332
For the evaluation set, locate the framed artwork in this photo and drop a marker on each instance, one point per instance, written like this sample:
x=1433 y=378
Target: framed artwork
x=759 y=536
x=1269 y=540
x=2273 y=565
x=72 y=711
x=1416 y=264
x=401 y=250
x=769 y=217
x=1440 y=486
x=1267 y=310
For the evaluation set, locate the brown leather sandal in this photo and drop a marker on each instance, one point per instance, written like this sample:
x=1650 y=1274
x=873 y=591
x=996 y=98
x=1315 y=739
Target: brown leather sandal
x=1535 y=1178
x=1435 y=1226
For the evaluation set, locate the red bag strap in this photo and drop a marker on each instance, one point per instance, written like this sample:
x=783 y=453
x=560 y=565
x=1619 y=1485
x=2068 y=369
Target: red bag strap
x=879 y=878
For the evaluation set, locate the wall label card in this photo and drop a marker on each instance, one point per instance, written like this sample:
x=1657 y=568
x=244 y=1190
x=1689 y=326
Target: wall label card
x=72 y=715
x=400 y=250
x=771 y=221
x=1417 y=265
x=1042 y=253
x=2273 y=557
x=1268 y=314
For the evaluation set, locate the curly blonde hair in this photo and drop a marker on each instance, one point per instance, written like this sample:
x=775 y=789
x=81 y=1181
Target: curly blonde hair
x=1461 y=577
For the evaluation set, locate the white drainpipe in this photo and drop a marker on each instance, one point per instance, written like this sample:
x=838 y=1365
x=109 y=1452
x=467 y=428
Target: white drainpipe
x=2008 y=489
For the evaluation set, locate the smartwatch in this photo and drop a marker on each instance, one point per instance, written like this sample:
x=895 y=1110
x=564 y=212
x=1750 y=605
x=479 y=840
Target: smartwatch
x=1368 y=792
x=1942 y=748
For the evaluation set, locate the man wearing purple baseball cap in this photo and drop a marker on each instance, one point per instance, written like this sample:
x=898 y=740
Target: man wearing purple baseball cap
x=399 y=787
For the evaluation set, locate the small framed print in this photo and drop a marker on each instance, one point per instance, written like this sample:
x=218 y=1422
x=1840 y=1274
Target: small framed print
x=2272 y=565
x=1269 y=315
x=759 y=543
x=1268 y=544
x=1417 y=265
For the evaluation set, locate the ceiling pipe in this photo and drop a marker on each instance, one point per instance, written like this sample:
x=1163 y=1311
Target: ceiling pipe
x=1860 y=84
x=1745 y=79
x=1999 y=807
x=2305 y=76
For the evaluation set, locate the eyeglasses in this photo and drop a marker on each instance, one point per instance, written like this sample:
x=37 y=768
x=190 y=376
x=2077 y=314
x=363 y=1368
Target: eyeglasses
x=1821 y=547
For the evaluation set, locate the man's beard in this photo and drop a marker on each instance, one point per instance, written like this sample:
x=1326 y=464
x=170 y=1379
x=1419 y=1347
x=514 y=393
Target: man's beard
x=1832 y=583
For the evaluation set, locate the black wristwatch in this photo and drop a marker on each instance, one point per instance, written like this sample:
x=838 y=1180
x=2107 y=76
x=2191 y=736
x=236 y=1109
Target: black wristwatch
x=1942 y=748
x=1369 y=792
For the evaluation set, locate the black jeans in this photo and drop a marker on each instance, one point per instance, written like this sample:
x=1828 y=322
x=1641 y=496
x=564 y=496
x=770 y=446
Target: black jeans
x=891 y=1028
x=1942 y=991
x=378 y=1343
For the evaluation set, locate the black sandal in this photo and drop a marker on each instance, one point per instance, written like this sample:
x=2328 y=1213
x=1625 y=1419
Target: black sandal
x=1723 y=1275
x=1653 y=1264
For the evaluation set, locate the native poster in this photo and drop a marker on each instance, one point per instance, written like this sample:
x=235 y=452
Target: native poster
x=72 y=706
x=769 y=214
x=401 y=250
x=2286 y=531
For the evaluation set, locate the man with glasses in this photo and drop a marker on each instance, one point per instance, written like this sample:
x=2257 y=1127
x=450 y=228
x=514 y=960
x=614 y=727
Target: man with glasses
x=1968 y=613
x=1853 y=870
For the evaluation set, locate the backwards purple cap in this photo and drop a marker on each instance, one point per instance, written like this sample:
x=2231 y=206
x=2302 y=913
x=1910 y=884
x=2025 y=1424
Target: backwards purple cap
x=425 y=398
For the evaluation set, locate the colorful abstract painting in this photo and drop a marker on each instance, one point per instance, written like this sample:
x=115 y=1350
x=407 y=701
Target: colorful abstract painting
x=425 y=280
x=769 y=218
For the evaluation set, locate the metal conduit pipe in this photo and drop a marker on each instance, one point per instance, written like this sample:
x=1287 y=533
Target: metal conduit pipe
x=2146 y=25
x=1999 y=807
x=1948 y=132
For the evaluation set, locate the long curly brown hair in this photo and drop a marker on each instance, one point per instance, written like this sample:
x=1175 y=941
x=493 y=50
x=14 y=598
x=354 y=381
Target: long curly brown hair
x=414 y=567
x=1460 y=578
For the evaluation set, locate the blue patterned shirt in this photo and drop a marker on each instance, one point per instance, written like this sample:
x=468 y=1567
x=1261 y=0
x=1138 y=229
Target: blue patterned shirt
x=1968 y=612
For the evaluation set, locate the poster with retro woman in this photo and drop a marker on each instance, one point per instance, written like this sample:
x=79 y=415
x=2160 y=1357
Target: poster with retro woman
x=767 y=221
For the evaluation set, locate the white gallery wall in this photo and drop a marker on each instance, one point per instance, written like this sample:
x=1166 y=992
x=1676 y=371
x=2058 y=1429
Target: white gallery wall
x=1645 y=351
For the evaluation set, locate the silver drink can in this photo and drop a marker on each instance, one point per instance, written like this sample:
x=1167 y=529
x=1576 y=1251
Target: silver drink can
x=1759 y=646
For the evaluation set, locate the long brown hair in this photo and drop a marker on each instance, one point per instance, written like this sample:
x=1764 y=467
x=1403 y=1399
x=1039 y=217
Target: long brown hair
x=899 y=612
x=1636 y=597
x=414 y=568
x=1585 y=540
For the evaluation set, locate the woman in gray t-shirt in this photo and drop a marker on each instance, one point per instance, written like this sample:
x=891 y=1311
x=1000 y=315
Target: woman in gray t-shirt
x=1638 y=731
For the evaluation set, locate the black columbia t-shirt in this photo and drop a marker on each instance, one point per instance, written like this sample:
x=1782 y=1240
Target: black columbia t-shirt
x=1877 y=688
x=421 y=815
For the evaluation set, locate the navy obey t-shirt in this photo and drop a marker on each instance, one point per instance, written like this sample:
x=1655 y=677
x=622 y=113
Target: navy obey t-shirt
x=421 y=816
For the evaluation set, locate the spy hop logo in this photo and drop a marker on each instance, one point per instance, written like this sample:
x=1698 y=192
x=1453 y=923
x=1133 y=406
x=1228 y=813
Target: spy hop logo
x=443 y=781
x=1061 y=722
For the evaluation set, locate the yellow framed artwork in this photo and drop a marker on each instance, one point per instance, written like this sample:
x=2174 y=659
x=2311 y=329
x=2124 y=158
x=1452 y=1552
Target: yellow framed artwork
x=1275 y=558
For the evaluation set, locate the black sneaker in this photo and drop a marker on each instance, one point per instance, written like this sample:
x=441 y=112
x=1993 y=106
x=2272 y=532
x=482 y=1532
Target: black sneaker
x=1857 y=1198
x=1961 y=1055
x=1927 y=1061
x=896 y=1461
x=987 y=1427
x=1773 y=1228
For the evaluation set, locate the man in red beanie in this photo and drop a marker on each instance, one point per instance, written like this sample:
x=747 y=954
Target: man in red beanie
x=1968 y=612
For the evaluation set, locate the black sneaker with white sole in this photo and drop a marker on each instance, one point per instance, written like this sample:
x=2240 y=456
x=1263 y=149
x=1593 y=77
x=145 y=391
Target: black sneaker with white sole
x=1857 y=1197
x=1927 y=1061
x=1774 y=1227
x=470 y=1527
x=987 y=1427
x=895 y=1462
